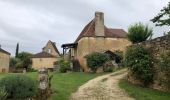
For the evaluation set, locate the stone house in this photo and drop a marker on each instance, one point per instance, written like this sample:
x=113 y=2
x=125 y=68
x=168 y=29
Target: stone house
x=46 y=58
x=4 y=60
x=95 y=37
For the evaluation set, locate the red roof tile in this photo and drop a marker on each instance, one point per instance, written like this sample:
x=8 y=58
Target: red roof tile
x=89 y=31
x=43 y=55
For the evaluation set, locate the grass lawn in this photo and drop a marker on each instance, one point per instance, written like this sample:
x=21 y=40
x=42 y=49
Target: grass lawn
x=64 y=83
x=140 y=93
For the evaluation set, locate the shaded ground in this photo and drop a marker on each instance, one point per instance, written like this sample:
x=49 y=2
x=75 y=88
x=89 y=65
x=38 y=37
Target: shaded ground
x=102 y=88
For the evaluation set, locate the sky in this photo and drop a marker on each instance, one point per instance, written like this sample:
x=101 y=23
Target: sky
x=31 y=23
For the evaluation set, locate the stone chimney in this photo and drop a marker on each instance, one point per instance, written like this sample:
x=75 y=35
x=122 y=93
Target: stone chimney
x=99 y=24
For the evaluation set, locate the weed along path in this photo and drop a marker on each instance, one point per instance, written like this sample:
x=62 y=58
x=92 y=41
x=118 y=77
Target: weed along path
x=102 y=88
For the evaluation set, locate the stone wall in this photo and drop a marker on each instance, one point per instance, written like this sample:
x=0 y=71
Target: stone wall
x=38 y=63
x=4 y=62
x=156 y=47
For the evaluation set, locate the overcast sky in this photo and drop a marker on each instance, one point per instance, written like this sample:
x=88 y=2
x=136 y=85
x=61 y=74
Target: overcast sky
x=33 y=22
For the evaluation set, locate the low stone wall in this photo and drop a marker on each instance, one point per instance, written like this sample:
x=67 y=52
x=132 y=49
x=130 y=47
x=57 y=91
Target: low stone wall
x=156 y=47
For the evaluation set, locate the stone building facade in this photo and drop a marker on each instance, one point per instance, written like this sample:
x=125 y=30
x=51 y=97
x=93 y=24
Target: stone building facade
x=4 y=60
x=46 y=58
x=96 y=37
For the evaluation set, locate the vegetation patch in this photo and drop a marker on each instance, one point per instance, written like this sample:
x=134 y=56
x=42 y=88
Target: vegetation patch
x=62 y=83
x=96 y=60
x=19 y=86
x=139 y=32
x=64 y=66
x=165 y=67
x=138 y=60
x=3 y=93
x=141 y=93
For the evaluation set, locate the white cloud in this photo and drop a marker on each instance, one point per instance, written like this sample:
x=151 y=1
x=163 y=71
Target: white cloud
x=33 y=22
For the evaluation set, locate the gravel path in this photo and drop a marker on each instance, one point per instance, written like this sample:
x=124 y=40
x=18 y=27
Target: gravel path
x=102 y=88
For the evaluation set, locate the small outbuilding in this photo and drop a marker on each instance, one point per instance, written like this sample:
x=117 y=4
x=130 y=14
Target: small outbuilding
x=47 y=58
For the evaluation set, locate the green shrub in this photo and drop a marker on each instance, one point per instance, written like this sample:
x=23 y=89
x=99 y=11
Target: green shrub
x=14 y=61
x=139 y=32
x=138 y=60
x=165 y=66
x=96 y=60
x=109 y=69
x=19 y=86
x=3 y=94
x=165 y=61
x=64 y=66
x=30 y=69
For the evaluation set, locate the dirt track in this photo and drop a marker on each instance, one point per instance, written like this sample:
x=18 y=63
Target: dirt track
x=102 y=88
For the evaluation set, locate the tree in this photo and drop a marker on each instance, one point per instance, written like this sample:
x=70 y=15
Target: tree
x=96 y=60
x=25 y=58
x=14 y=61
x=17 y=50
x=163 y=18
x=139 y=32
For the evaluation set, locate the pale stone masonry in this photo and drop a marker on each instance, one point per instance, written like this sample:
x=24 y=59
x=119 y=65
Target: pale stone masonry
x=99 y=24
x=4 y=60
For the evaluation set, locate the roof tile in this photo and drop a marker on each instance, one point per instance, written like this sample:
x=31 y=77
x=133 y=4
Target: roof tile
x=89 y=31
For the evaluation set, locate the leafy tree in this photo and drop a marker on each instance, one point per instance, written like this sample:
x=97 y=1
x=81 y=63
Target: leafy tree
x=17 y=50
x=139 y=32
x=163 y=18
x=25 y=58
x=14 y=61
x=96 y=60
x=138 y=60
x=22 y=61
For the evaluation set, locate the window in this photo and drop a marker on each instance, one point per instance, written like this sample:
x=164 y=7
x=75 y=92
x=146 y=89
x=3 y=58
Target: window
x=49 y=50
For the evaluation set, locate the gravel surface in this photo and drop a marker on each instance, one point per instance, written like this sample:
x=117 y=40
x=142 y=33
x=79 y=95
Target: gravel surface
x=102 y=88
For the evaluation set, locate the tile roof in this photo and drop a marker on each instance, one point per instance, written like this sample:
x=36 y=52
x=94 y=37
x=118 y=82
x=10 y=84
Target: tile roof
x=3 y=51
x=43 y=55
x=89 y=31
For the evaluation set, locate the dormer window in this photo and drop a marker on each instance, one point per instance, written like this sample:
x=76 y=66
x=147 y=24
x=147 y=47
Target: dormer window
x=49 y=50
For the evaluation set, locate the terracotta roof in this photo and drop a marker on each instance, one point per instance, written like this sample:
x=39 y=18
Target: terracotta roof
x=43 y=55
x=89 y=31
x=3 y=51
